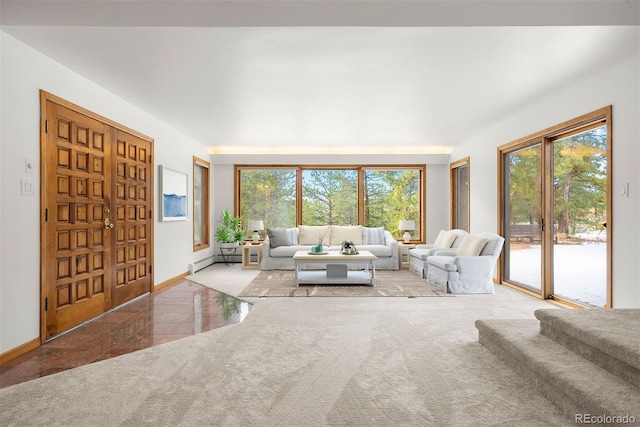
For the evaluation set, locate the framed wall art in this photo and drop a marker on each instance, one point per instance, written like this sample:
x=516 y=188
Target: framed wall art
x=174 y=195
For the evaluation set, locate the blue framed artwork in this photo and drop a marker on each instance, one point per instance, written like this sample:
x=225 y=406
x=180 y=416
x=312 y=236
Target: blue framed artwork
x=174 y=195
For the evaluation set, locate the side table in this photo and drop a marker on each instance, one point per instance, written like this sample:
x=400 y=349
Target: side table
x=403 y=254
x=251 y=256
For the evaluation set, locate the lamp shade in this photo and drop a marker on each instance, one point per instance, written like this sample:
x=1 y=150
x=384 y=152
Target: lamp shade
x=407 y=224
x=256 y=225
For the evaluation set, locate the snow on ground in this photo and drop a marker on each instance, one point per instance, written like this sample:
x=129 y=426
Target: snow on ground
x=592 y=235
x=580 y=270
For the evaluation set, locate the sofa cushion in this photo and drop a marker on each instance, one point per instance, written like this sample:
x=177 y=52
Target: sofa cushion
x=446 y=263
x=471 y=245
x=312 y=234
x=278 y=237
x=421 y=254
x=287 y=251
x=348 y=233
x=293 y=236
x=373 y=236
x=490 y=247
x=377 y=250
x=444 y=240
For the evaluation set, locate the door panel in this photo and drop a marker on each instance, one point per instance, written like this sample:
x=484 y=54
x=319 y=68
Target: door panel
x=132 y=161
x=580 y=216
x=77 y=259
x=96 y=234
x=523 y=214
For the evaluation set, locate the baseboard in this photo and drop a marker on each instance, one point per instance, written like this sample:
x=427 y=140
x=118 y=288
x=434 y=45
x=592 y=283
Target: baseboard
x=200 y=264
x=19 y=351
x=170 y=281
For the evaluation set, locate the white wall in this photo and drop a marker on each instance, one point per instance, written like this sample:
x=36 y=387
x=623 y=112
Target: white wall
x=437 y=203
x=619 y=87
x=24 y=72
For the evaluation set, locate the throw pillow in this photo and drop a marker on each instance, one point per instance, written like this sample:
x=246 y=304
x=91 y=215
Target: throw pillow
x=293 y=236
x=312 y=234
x=278 y=237
x=373 y=236
x=444 y=240
x=471 y=245
x=346 y=233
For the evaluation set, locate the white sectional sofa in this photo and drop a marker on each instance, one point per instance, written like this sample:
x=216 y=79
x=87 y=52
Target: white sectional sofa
x=282 y=243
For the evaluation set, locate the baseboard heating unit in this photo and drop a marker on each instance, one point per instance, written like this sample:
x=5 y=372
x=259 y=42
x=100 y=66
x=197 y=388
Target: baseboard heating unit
x=199 y=265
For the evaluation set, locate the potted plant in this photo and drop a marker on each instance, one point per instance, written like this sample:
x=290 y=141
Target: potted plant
x=229 y=233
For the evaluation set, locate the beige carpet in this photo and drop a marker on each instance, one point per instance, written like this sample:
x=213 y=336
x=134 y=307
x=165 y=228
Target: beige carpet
x=306 y=362
x=401 y=283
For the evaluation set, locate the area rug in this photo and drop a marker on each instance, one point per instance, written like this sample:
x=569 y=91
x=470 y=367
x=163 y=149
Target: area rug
x=279 y=283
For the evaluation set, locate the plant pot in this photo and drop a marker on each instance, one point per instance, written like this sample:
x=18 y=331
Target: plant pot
x=229 y=245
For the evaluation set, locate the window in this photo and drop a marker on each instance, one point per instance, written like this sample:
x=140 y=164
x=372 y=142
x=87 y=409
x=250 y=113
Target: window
x=329 y=197
x=460 y=212
x=373 y=196
x=392 y=195
x=200 y=204
x=268 y=195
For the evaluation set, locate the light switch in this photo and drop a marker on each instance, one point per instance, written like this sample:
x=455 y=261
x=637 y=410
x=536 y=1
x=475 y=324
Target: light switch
x=27 y=188
x=624 y=190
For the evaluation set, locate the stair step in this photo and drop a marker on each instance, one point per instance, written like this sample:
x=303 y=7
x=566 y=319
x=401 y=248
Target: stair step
x=571 y=382
x=608 y=338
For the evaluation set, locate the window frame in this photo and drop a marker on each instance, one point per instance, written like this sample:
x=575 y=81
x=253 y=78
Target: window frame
x=454 y=167
x=199 y=163
x=421 y=168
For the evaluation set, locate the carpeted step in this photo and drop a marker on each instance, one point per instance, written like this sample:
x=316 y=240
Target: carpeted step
x=608 y=338
x=573 y=383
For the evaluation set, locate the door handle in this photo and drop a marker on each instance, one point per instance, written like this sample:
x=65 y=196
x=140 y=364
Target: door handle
x=108 y=224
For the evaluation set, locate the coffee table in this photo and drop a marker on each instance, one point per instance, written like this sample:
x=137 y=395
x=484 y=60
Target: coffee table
x=365 y=276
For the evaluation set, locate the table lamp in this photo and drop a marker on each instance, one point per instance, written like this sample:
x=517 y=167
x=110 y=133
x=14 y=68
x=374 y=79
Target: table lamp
x=407 y=225
x=256 y=225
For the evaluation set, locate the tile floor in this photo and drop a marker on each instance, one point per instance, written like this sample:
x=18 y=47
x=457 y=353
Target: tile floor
x=178 y=311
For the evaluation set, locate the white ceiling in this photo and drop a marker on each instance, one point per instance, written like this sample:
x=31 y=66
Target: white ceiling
x=317 y=88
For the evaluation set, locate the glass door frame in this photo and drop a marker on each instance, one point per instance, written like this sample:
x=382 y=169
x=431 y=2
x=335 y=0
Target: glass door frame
x=546 y=138
x=532 y=145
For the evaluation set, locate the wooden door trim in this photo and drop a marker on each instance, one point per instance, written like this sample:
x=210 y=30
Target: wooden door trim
x=45 y=99
x=46 y=96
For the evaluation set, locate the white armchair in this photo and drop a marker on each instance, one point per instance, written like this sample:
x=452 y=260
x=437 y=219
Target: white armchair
x=470 y=270
x=445 y=240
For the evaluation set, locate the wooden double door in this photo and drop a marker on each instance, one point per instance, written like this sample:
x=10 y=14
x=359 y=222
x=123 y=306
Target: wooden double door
x=96 y=224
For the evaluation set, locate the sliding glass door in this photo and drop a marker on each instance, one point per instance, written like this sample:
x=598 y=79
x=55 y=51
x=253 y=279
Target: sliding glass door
x=555 y=210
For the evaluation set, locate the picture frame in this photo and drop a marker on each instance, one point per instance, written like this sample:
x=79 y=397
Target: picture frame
x=174 y=195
